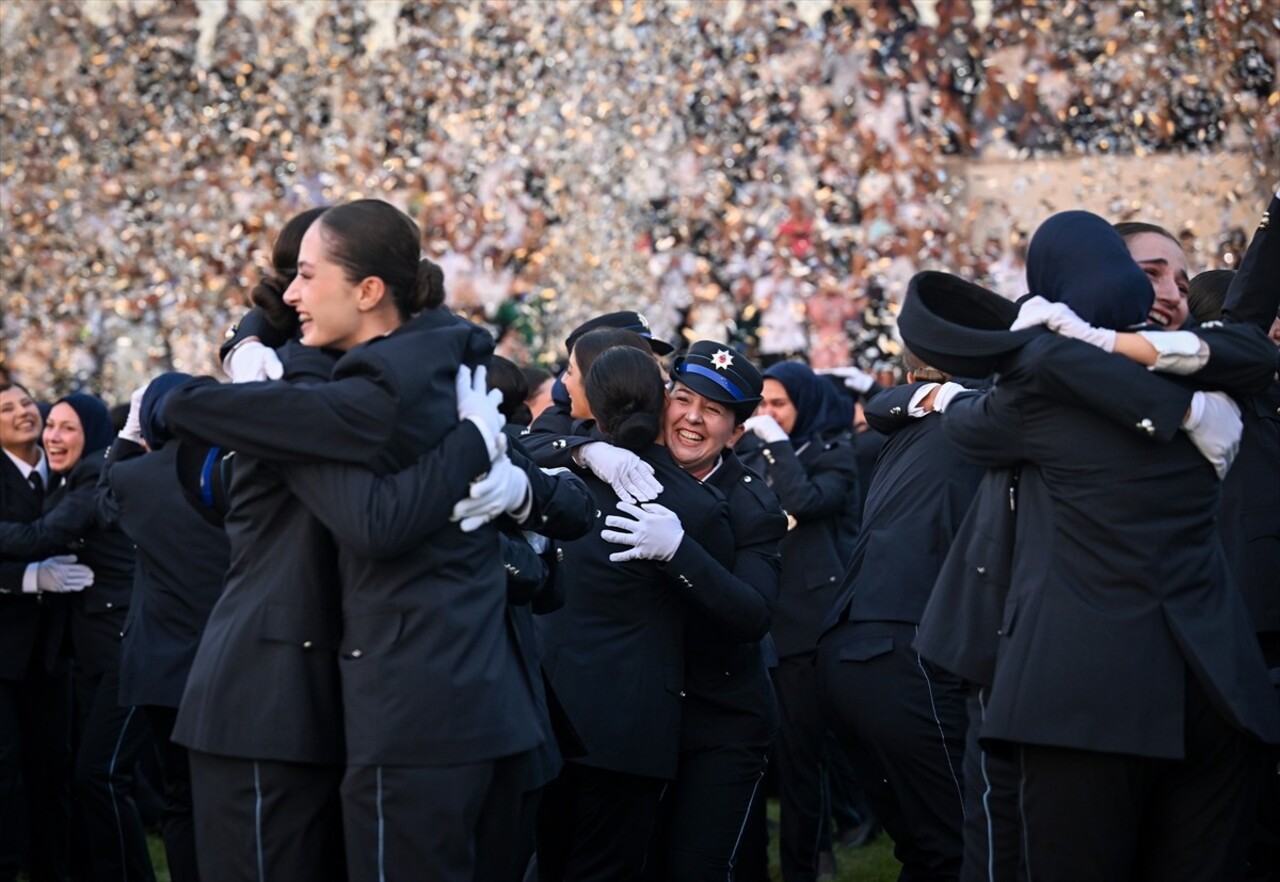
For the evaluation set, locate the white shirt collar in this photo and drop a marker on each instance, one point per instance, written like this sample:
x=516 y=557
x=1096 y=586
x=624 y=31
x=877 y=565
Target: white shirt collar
x=25 y=468
x=715 y=468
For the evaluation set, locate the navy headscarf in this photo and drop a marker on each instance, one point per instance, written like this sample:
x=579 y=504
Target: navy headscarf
x=820 y=407
x=151 y=413
x=1077 y=258
x=95 y=420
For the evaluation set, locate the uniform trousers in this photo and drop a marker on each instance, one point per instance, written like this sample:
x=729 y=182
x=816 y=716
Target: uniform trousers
x=434 y=823
x=177 y=826
x=595 y=825
x=901 y=722
x=35 y=774
x=798 y=760
x=704 y=813
x=1111 y=817
x=110 y=742
x=992 y=825
x=266 y=820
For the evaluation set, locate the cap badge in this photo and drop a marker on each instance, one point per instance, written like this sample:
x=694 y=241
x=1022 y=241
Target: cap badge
x=721 y=360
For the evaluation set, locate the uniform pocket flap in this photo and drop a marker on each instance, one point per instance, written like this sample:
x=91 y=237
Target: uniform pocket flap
x=990 y=557
x=299 y=625
x=1010 y=616
x=1260 y=524
x=371 y=631
x=866 y=648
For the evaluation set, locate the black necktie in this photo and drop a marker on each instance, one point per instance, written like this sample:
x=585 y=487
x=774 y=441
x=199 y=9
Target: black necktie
x=37 y=485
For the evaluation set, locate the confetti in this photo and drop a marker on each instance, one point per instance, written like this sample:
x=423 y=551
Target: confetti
x=766 y=173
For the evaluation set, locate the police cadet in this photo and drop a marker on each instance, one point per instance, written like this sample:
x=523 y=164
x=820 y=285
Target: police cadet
x=900 y=719
x=183 y=555
x=730 y=713
x=615 y=651
x=1249 y=522
x=1119 y=682
x=804 y=449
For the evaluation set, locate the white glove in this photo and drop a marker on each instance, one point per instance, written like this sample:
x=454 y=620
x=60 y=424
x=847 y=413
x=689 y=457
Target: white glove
x=654 y=534
x=854 y=378
x=766 y=428
x=1059 y=318
x=1177 y=352
x=1214 y=427
x=251 y=361
x=505 y=490
x=132 y=430
x=62 y=575
x=630 y=476
x=480 y=405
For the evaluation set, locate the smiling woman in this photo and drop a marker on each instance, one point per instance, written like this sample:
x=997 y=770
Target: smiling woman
x=109 y=738
x=1161 y=257
x=63 y=438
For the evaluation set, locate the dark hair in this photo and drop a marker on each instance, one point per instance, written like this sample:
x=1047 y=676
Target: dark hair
x=624 y=389
x=507 y=378
x=1128 y=229
x=268 y=294
x=534 y=377
x=1207 y=294
x=588 y=347
x=13 y=384
x=922 y=372
x=369 y=237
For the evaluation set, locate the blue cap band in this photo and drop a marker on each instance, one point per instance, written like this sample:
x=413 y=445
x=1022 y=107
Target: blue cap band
x=206 y=476
x=714 y=376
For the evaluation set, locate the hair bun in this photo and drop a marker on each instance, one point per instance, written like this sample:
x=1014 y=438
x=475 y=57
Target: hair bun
x=268 y=295
x=430 y=293
x=636 y=432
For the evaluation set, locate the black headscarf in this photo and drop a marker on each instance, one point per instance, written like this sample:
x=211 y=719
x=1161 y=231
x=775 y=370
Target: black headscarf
x=95 y=420
x=820 y=408
x=1077 y=258
x=151 y=414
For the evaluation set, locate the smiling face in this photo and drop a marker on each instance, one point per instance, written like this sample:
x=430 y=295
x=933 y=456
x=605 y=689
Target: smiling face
x=327 y=301
x=63 y=438
x=20 y=423
x=777 y=404
x=1166 y=266
x=696 y=429
x=573 y=384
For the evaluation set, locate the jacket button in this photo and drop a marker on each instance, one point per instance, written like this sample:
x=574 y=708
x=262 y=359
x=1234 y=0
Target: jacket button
x=356 y=653
x=895 y=411
x=727 y=674
x=982 y=571
x=682 y=693
x=1000 y=632
x=746 y=479
x=110 y=604
x=306 y=644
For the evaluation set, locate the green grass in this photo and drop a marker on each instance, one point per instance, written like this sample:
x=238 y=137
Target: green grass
x=872 y=863
x=158 y=860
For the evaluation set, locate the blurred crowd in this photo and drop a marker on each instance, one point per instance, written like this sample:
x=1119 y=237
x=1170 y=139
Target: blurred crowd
x=766 y=173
